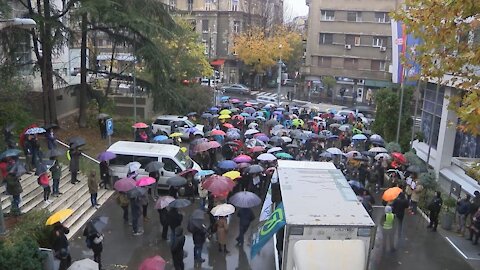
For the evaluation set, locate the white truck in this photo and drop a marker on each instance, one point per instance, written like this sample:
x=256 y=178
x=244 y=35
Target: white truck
x=327 y=227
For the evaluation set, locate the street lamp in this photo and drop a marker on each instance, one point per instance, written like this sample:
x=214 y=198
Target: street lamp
x=22 y=23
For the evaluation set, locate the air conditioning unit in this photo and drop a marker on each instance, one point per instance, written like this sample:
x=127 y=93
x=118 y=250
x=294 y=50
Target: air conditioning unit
x=348 y=46
x=383 y=49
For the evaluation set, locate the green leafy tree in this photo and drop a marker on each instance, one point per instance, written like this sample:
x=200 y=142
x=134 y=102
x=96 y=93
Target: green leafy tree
x=329 y=82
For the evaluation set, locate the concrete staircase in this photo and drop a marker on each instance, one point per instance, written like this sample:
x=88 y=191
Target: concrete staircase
x=75 y=197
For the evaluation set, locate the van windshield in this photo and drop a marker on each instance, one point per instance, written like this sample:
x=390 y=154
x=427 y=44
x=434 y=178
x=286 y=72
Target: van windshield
x=184 y=160
x=190 y=124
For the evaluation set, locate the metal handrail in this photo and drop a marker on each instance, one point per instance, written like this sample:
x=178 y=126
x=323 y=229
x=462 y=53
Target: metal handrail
x=83 y=154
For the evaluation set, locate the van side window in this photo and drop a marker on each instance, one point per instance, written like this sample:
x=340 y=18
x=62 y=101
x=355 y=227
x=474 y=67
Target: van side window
x=145 y=160
x=122 y=160
x=170 y=165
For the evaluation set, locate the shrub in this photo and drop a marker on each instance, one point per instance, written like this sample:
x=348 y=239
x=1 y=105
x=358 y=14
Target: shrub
x=413 y=159
x=32 y=225
x=21 y=255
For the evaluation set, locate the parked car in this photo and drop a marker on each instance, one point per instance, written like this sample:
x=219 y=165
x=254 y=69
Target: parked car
x=236 y=88
x=164 y=124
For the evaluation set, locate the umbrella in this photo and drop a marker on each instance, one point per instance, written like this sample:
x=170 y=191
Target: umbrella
x=361 y=158
x=275 y=140
x=360 y=137
x=153 y=263
x=217 y=132
x=176 y=134
x=227 y=164
x=134 y=166
x=214 y=109
x=274 y=149
x=266 y=157
x=244 y=114
x=376 y=137
x=228 y=125
x=262 y=137
x=232 y=174
x=55 y=152
x=334 y=126
x=352 y=153
x=206 y=115
x=257 y=149
x=202 y=147
x=297 y=122
x=254 y=169
x=59 y=216
x=140 y=125
x=154 y=166
x=124 y=184
x=192 y=114
x=163 y=201
x=10 y=153
x=416 y=169
x=197 y=218
x=106 y=156
x=224 y=116
x=345 y=127
x=292 y=145
x=245 y=199
x=282 y=155
x=334 y=151
x=137 y=192
x=225 y=112
x=180 y=203
x=85 y=264
x=286 y=139
x=326 y=155
x=204 y=173
x=99 y=223
x=176 y=181
x=159 y=138
x=272 y=122
x=382 y=155
x=41 y=168
x=243 y=165
x=242 y=159
x=355 y=183
x=391 y=194
x=378 y=150
x=233 y=135
x=399 y=157
x=235 y=100
x=76 y=141
x=168 y=141
x=35 y=130
x=223 y=210
x=187 y=172
x=251 y=132
x=102 y=116
x=145 y=181
x=214 y=144
x=18 y=169
x=218 y=185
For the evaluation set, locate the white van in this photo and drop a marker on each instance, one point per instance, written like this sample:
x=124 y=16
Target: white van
x=174 y=160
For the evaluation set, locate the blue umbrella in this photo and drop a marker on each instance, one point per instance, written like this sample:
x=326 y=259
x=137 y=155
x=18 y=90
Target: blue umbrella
x=224 y=98
x=244 y=114
x=10 y=153
x=106 y=156
x=160 y=138
x=204 y=173
x=227 y=165
x=207 y=115
x=326 y=155
x=214 y=109
x=359 y=137
x=233 y=135
x=191 y=130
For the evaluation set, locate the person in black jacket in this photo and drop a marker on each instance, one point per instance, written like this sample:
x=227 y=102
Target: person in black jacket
x=176 y=248
x=163 y=214
x=399 y=205
x=104 y=175
x=434 y=207
x=246 y=217
x=174 y=219
x=199 y=235
x=95 y=242
x=60 y=245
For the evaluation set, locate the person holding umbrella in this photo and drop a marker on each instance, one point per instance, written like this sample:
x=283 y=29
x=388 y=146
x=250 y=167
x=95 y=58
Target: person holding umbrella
x=56 y=171
x=105 y=174
x=222 y=230
x=14 y=188
x=176 y=247
x=74 y=155
x=44 y=181
x=174 y=220
x=246 y=217
x=94 y=241
x=60 y=245
x=199 y=234
x=123 y=201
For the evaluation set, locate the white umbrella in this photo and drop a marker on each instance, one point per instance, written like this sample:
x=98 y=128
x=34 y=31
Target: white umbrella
x=134 y=166
x=352 y=153
x=251 y=131
x=287 y=139
x=223 y=210
x=274 y=149
x=334 y=151
x=85 y=264
x=378 y=150
x=382 y=155
x=266 y=157
x=253 y=125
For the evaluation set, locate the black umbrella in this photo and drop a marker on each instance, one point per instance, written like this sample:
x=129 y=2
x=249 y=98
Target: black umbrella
x=276 y=140
x=416 y=169
x=272 y=122
x=167 y=141
x=18 y=169
x=99 y=223
x=76 y=141
x=10 y=153
x=154 y=166
x=197 y=219
x=180 y=203
x=254 y=169
x=176 y=181
x=44 y=166
x=368 y=153
x=102 y=116
x=136 y=192
x=55 y=152
x=326 y=155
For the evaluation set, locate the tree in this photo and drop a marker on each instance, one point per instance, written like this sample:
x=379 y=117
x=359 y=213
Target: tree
x=329 y=82
x=449 y=31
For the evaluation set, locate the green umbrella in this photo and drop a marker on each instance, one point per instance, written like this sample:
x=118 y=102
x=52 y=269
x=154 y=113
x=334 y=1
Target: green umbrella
x=283 y=155
x=297 y=122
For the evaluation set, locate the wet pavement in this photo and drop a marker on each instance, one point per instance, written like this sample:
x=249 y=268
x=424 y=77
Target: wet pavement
x=420 y=248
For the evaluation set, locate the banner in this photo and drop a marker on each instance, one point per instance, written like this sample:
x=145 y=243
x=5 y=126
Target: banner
x=274 y=223
x=267 y=205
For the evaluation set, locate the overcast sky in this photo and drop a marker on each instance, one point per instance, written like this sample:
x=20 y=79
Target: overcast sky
x=294 y=8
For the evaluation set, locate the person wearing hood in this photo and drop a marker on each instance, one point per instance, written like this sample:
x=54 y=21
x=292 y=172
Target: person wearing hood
x=61 y=246
x=246 y=217
x=388 y=221
x=176 y=247
x=399 y=205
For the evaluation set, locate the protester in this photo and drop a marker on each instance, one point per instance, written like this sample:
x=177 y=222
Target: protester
x=61 y=246
x=388 y=221
x=44 y=182
x=51 y=140
x=199 y=235
x=135 y=209
x=246 y=217
x=14 y=188
x=94 y=241
x=463 y=209
x=176 y=247
x=222 y=231
x=434 y=207
x=174 y=219
x=105 y=174
x=93 y=188
x=123 y=201
x=399 y=205
x=417 y=190
x=74 y=155
x=163 y=214
x=56 y=171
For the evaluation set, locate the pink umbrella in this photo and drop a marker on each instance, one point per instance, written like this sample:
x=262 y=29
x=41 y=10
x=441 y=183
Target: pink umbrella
x=202 y=147
x=124 y=184
x=218 y=132
x=163 y=202
x=145 y=181
x=140 y=125
x=218 y=185
x=242 y=159
x=153 y=263
x=214 y=144
x=259 y=134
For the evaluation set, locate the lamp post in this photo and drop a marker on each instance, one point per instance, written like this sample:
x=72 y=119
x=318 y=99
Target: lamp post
x=21 y=23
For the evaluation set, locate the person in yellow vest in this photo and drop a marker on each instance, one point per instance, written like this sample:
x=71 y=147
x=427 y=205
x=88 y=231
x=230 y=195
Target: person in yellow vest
x=388 y=221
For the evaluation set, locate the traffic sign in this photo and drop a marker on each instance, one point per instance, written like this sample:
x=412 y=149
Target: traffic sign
x=109 y=126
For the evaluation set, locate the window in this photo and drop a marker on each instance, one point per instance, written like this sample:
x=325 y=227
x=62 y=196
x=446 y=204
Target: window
x=358 y=40
x=208 y=4
x=352 y=40
x=378 y=65
x=189 y=5
x=205 y=27
x=326 y=38
x=328 y=15
x=379 y=42
x=324 y=61
x=170 y=165
x=432 y=109
x=205 y=45
x=145 y=160
x=121 y=160
x=350 y=63
x=354 y=16
x=236 y=26
x=234 y=5
x=382 y=17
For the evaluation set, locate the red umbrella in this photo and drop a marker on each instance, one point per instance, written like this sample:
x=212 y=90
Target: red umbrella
x=399 y=157
x=153 y=263
x=257 y=149
x=218 y=185
x=124 y=184
x=187 y=172
x=214 y=144
x=202 y=147
x=228 y=125
x=218 y=132
x=238 y=117
x=140 y=125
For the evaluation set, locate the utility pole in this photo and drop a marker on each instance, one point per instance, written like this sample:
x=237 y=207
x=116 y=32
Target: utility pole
x=402 y=89
x=134 y=86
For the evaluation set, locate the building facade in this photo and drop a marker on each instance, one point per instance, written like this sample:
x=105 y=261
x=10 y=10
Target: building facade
x=218 y=21
x=350 y=39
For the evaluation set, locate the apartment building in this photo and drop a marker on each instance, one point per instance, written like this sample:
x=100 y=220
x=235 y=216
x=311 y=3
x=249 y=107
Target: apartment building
x=218 y=21
x=350 y=39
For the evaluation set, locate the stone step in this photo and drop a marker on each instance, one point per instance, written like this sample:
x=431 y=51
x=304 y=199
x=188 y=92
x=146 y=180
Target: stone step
x=69 y=196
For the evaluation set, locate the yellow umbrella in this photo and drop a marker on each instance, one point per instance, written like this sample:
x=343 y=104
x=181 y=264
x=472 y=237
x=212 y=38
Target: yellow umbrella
x=232 y=174
x=224 y=116
x=184 y=149
x=59 y=216
x=225 y=112
x=176 y=134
